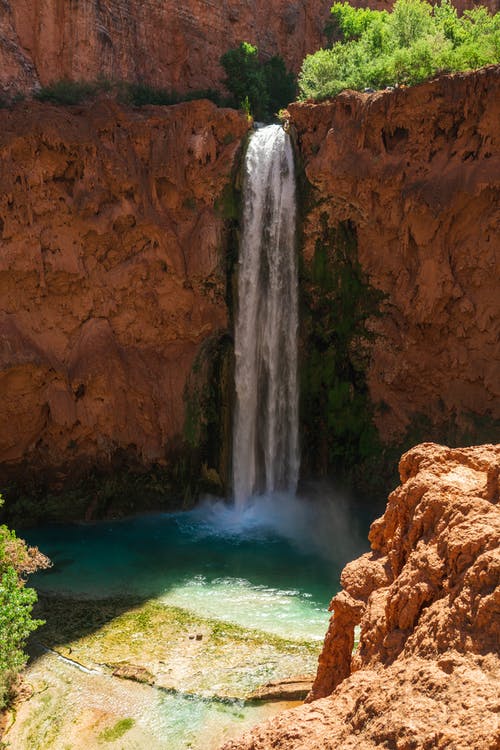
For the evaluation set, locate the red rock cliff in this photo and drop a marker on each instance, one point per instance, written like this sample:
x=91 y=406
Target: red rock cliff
x=170 y=44
x=427 y=597
x=416 y=172
x=112 y=273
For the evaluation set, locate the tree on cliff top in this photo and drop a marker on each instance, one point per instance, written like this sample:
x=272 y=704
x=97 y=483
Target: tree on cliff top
x=263 y=87
x=410 y=44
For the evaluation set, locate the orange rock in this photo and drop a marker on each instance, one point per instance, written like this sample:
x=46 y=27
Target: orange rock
x=175 y=45
x=111 y=273
x=427 y=596
x=416 y=172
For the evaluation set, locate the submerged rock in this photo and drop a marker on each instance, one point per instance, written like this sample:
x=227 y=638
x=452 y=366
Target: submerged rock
x=427 y=597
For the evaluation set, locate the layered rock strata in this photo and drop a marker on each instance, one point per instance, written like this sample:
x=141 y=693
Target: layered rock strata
x=415 y=174
x=112 y=274
x=427 y=599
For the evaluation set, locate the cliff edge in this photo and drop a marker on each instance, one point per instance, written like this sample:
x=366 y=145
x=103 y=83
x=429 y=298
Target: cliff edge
x=427 y=599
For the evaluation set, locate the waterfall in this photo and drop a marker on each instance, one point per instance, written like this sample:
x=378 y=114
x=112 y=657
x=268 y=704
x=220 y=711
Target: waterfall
x=265 y=444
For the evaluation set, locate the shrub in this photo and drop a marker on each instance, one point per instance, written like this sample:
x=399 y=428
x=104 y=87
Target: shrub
x=70 y=92
x=406 y=46
x=16 y=602
x=136 y=94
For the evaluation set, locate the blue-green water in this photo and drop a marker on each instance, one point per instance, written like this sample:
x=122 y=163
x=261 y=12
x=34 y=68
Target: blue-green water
x=273 y=568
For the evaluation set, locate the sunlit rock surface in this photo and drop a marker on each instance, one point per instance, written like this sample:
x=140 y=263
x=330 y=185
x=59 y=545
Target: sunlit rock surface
x=112 y=273
x=416 y=173
x=427 y=597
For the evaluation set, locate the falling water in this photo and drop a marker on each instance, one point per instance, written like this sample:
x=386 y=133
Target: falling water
x=265 y=448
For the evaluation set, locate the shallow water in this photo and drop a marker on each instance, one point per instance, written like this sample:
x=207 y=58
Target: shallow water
x=273 y=568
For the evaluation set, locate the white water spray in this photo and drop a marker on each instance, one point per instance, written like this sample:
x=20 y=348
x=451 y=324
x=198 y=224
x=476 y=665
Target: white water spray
x=266 y=446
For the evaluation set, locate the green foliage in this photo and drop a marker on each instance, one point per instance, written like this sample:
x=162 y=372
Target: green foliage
x=406 y=46
x=260 y=88
x=140 y=95
x=16 y=603
x=338 y=431
x=68 y=92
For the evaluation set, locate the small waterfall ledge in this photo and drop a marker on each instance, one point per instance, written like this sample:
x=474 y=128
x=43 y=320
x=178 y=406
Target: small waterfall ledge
x=266 y=443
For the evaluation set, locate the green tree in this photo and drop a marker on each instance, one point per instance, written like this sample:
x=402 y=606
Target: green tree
x=245 y=78
x=263 y=87
x=16 y=603
x=408 y=45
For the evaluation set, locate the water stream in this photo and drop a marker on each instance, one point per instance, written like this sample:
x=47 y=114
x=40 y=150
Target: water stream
x=266 y=445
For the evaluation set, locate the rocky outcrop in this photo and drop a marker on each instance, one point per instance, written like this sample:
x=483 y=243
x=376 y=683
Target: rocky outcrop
x=112 y=274
x=427 y=598
x=414 y=174
x=169 y=44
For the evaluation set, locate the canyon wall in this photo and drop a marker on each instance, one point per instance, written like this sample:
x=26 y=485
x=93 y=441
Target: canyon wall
x=427 y=598
x=412 y=177
x=112 y=275
x=168 y=44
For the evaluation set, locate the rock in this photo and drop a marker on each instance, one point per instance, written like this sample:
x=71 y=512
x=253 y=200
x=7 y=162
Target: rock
x=132 y=672
x=111 y=275
x=291 y=689
x=169 y=44
x=427 y=597
x=415 y=171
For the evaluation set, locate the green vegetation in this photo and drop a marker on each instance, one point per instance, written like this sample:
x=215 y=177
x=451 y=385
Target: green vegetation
x=338 y=429
x=140 y=95
x=16 y=603
x=262 y=88
x=69 y=92
x=412 y=43
x=117 y=730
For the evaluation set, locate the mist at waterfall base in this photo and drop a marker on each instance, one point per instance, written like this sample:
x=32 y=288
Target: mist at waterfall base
x=281 y=552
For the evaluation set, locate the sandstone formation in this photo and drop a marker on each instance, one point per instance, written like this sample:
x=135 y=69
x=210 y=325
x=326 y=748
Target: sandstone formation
x=416 y=173
x=427 y=598
x=168 y=44
x=112 y=274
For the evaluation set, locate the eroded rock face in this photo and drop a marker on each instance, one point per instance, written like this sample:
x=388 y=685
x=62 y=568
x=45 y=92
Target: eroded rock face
x=427 y=597
x=415 y=173
x=112 y=273
x=169 y=44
